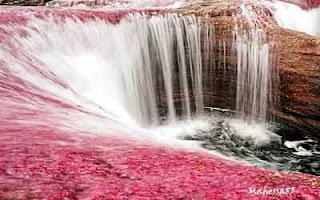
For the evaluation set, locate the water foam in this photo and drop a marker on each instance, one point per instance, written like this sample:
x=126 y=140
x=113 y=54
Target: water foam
x=111 y=73
x=293 y=17
x=123 y=78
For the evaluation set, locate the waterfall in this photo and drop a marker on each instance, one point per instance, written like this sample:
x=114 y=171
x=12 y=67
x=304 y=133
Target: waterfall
x=138 y=71
x=141 y=71
x=254 y=74
x=162 y=65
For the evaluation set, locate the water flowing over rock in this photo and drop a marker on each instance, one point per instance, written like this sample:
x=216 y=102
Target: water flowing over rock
x=254 y=69
x=98 y=103
x=217 y=71
x=295 y=55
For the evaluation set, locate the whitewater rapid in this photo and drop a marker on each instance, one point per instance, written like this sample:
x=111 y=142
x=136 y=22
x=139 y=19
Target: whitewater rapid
x=293 y=17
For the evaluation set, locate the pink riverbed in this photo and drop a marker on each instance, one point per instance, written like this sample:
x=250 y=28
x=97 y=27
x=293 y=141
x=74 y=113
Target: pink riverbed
x=48 y=164
x=40 y=161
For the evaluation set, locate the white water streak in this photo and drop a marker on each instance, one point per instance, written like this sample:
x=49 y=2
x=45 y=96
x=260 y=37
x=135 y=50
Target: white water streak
x=117 y=71
x=253 y=74
x=113 y=68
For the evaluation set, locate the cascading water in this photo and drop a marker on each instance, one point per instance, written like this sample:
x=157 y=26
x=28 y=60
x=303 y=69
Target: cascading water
x=137 y=72
x=141 y=71
x=92 y=99
x=254 y=70
x=122 y=69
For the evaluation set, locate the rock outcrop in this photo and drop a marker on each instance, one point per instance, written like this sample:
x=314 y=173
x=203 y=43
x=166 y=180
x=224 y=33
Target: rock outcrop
x=297 y=59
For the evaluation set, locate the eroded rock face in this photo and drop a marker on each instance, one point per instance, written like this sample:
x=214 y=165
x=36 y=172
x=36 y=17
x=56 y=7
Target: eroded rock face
x=299 y=67
x=297 y=61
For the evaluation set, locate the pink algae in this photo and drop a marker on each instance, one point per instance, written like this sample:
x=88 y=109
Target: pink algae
x=21 y=15
x=39 y=161
x=48 y=164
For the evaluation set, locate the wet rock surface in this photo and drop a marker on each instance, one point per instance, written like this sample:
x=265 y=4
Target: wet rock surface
x=296 y=56
x=287 y=150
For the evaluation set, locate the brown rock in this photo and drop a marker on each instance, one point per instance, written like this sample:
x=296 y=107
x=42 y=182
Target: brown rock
x=297 y=60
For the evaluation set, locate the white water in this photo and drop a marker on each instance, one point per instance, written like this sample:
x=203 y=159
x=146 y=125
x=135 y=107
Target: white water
x=296 y=145
x=256 y=133
x=115 y=72
x=118 y=67
x=254 y=70
x=130 y=73
x=292 y=17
